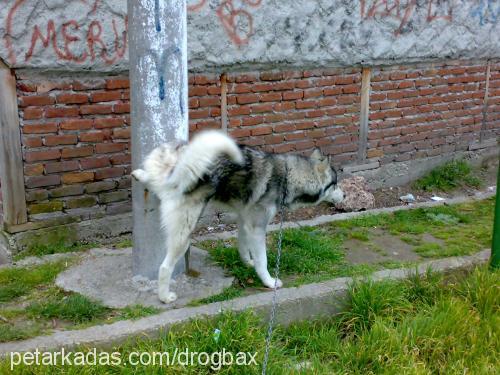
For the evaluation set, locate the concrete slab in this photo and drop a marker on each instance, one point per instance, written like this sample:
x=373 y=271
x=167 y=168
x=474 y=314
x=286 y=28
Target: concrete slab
x=310 y=301
x=106 y=276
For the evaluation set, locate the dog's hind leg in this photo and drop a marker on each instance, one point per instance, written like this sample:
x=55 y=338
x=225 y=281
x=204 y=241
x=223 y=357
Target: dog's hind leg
x=255 y=224
x=179 y=221
x=244 y=243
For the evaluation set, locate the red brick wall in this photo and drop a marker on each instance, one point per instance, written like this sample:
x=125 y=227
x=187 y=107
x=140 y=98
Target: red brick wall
x=76 y=131
x=297 y=111
x=428 y=110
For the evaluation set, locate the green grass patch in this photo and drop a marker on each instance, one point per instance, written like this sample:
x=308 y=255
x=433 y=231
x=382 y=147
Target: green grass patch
x=18 y=282
x=430 y=324
x=448 y=176
x=55 y=248
x=74 y=308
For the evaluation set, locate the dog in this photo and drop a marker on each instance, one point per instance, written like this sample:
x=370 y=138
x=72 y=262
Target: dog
x=252 y=183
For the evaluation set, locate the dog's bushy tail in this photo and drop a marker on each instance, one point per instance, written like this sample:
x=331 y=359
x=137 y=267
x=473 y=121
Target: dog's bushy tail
x=200 y=155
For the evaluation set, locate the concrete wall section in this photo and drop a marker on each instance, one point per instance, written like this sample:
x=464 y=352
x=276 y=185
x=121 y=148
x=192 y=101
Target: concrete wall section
x=83 y=34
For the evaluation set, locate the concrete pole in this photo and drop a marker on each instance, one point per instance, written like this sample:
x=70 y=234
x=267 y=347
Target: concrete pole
x=158 y=78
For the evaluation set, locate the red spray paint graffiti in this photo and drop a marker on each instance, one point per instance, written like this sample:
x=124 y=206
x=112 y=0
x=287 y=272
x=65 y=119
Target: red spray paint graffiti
x=62 y=39
x=235 y=17
x=405 y=10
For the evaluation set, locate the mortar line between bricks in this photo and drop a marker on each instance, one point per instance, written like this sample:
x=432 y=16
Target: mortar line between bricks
x=298 y=303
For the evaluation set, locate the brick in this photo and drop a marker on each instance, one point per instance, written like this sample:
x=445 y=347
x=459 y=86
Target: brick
x=81 y=202
x=122 y=108
x=26 y=87
x=304 y=145
x=261 y=108
x=36 y=101
x=56 y=140
x=239 y=133
x=252 y=120
x=287 y=147
x=115 y=196
x=41 y=181
x=118 y=208
x=63 y=166
x=37 y=195
x=301 y=104
x=40 y=128
x=113 y=172
x=209 y=101
x=248 y=98
x=77 y=152
x=88 y=84
x=344 y=80
x=262 y=130
x=119 y=159
x=32 y=113
x=72 y=98
x=33 y=169
x=197 y=91
x=92 y=163
x=53 y=112
x=117 y=83
x=239 y=111
x=125 y=183
x=40 y=208
x=91 y=137
x=270 y=97
x=32 y=156
x=96 y=109
x=97 y=187
x=105 y=96
x=271 y=76
x=66 y=191
x=80 y=124
x=32 y=142
x=293 y=95
x=77 y=177
x=105 y=148
x=123 y=133
x=108 y=122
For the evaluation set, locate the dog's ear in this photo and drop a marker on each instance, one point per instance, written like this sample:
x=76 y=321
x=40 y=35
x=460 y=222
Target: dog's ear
x=316 y=154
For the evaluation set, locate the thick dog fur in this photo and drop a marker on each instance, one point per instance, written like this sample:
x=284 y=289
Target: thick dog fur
x=252 y=183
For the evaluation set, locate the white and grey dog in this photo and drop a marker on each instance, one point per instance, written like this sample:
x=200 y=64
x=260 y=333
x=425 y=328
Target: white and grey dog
x=252 y=183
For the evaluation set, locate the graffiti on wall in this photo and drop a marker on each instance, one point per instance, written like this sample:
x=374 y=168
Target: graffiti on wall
x=487 y=11
x=235 y=16
x=405 y=11
x=69 y=40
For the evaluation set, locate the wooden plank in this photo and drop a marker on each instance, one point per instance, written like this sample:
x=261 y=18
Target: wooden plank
x=485 y=103
x=223 y=102
x=364 y=114
x=11 y=158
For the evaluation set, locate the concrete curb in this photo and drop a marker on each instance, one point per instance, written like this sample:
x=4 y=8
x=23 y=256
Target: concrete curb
x=310 y=301
x=350 y=215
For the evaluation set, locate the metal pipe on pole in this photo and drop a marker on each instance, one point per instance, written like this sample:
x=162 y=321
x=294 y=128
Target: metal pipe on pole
x=159 y=111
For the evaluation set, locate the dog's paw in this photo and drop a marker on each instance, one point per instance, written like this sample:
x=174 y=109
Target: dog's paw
x=249 y=262
x=168 y=297
x=139 y=175
x=271 y=283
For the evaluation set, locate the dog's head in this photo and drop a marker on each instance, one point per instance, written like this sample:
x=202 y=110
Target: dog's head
x=327 y=176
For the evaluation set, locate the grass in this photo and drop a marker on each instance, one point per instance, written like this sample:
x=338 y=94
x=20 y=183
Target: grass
x=74 y=308
x=31 y=305
x=56 y=248
x=18 y=282
x=424 y=325
x=313 y=254
x=453 y=174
